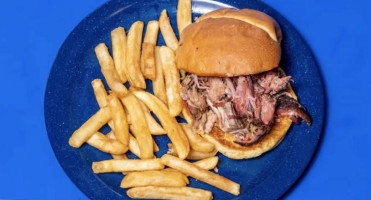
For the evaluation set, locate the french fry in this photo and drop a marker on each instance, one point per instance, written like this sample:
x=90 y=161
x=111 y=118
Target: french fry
x=159 y=83
x=154 y=192
x=120 y=124
x=151 y=32
x=197 y=142
x=107 y=166
x=200 y=174
x=123 y=156
x=193 y=155
x=172 y=128
x=184 y=14
x=172 y=81
x=109 y=71
x=208 y=163
x=99 y=92
x=147 y=61
x=105 y=144
x=91 y=126
x=148 y=64
x=139 y=126
x=167 y=31
x=118 y=39
x=134 y=147
x=134 y=42
x=154 y=127
x=154 y=178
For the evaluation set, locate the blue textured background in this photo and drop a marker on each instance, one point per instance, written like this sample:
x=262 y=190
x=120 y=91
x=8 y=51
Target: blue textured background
x=338 y=33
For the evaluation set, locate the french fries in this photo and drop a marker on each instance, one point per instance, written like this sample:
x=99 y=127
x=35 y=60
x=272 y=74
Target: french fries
x=167 y=31
x=151 y=32
x=118 y=38
x=148 y=61
x=197 y=142
x=107 y=166
x=105 y=144
x=120 y=124
x=134 y=43
x=158 y=83
x=154 y=178
x=184 y=14
x=184 y=193
x=172 y=81
x=91 y=126
x=139 y=126
x=99 y=92
x=154 y=127
x=193 y=155
x=200 y=174
x=148 y=64
x=109 y=71
x=208 y=163
x=134 y=147
x=172 y=128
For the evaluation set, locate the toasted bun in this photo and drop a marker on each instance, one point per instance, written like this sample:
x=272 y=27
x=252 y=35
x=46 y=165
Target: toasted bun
x=224 y=141
x=230 y=42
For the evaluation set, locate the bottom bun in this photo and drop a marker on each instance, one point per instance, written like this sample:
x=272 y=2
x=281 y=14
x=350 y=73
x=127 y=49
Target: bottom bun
x=224 y=141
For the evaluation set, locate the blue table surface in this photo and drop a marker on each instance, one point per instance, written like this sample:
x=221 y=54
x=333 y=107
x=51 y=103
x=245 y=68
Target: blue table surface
x=338 y=32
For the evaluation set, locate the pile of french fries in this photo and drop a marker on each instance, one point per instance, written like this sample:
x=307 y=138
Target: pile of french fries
x=128 y=112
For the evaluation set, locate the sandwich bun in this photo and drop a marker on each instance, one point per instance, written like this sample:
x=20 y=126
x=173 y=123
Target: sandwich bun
x=230 y=42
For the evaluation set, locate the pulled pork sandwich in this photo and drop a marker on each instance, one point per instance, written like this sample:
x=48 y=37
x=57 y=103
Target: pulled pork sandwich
x=233 y=89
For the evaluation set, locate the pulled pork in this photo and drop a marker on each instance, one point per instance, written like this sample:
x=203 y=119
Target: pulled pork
x=244 y=105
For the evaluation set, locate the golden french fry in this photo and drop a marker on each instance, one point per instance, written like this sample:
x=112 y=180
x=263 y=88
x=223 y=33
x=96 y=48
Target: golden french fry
x=118 y=39
x=109 y=71
x=159 y=83
x=171 y=126
x=91 y=126
x=139 y=126
x=155 y=192
x=167 y=31
x=119 y=156
x=107 y=166
x=105 y=144
x=120 y=124
x=154 y=127
x=151 y=32
x=172 y=81
x=197 y=142
x=134 y=43
x=200 y=174
x=208 y=163
x=134 y=147
x=148 y=61
x=154 y=178
x=193 y=155
x=184 y=14
x=99 y=92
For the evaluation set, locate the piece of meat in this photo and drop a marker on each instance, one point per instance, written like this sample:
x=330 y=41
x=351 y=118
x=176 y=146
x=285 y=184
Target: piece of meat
x=211 y=119
x=224 y=122
x=250 y=134
x=244 y=100
x=216 y=90
x=270 y=82
x=287 y=106
x=268 y=108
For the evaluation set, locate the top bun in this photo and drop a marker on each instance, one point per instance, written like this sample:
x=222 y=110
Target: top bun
x=230 y=42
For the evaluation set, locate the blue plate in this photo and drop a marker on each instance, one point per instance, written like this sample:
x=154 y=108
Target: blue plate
x=69 y=102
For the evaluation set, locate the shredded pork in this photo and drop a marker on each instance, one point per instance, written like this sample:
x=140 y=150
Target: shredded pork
x=244 y=105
